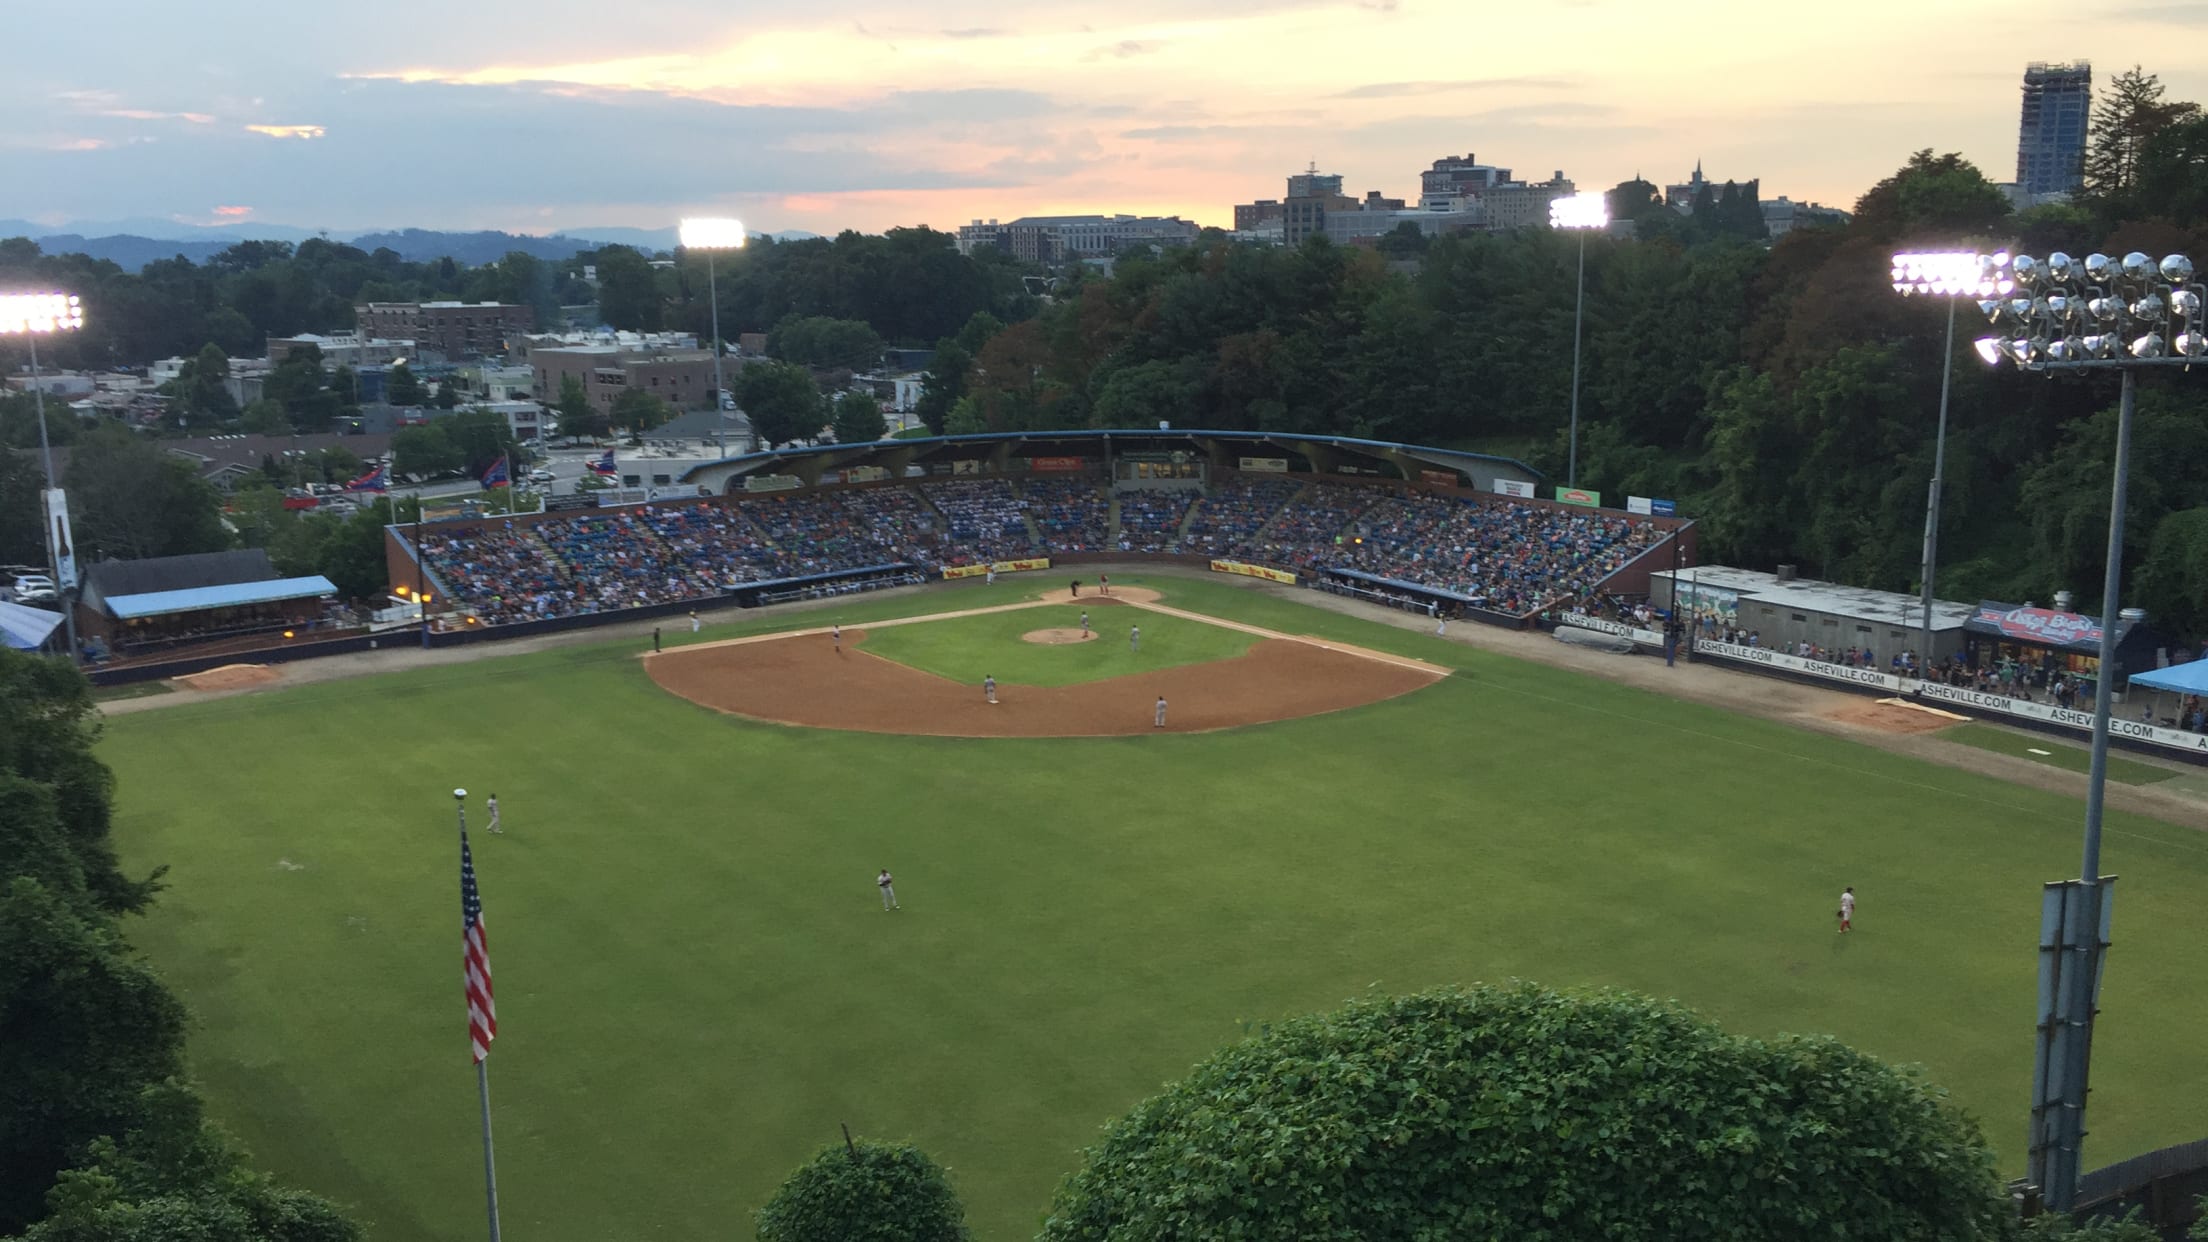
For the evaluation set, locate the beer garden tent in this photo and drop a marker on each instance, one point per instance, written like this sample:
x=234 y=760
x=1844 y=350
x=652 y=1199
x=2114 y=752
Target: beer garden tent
x=2177 y=679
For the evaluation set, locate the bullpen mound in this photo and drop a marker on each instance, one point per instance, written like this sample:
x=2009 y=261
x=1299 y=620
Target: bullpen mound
x=230 y=677
x=799 y=681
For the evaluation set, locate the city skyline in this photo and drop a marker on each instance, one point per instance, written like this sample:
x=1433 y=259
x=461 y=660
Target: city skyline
x=850 y=114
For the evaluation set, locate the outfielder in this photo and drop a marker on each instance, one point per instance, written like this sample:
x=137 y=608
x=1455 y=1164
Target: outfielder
x=889 y=891
x=694 y=623
x=492 y=805
x=1847 y=908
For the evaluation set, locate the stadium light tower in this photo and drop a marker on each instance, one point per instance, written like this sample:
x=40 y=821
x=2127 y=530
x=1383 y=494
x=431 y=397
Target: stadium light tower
x=710 y=234
x=1582 y=213
x=2064 y=315
x=31 y=315
x=1953 y=276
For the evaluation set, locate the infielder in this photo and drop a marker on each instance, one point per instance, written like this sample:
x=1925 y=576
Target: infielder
x=492 y=805
x=835 y=635
x=989 y=687
x=1441 y=624
x=889 y=891
x=694 y=623
x=1134 y=638
x=1084 y=625
x=991 y=578
x=1160 y=723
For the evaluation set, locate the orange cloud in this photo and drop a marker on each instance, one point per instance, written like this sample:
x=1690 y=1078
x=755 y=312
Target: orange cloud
x=289 y=131
x=233 y=213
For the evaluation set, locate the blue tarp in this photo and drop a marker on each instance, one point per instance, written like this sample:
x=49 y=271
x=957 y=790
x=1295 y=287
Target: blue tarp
x=773 y=584
x=1401 y=585
x=2177 y=679
x=235 y=595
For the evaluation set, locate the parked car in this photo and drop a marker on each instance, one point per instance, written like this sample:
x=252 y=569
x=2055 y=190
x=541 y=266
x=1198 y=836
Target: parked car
x=32 y=587
x=542 y=475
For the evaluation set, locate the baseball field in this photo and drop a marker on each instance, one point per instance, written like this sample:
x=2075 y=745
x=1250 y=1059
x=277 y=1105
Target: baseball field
x=697 y=983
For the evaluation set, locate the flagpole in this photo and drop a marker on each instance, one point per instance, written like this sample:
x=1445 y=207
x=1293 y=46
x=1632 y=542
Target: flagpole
x=482 y=1067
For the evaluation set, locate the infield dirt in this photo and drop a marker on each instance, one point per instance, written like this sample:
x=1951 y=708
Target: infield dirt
x=800 y=680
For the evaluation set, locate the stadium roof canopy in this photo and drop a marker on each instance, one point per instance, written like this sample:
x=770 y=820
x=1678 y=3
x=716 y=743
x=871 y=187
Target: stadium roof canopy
x=1314 y=452
x=232 y=595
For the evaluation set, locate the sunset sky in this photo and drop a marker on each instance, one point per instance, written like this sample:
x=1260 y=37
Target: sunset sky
x=833 y=114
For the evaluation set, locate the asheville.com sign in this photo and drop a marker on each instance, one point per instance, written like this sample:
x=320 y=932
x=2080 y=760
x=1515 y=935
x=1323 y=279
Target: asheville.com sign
x=1998 y=704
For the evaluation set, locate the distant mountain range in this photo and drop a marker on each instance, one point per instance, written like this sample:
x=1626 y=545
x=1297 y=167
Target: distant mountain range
x=131 y=244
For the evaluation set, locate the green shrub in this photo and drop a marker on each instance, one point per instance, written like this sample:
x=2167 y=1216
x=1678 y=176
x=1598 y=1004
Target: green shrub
x=1527 y=1114
x=870 y=1192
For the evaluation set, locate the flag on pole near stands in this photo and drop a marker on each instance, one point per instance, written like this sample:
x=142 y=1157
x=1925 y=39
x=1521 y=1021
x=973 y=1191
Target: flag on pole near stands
x=604 y=465
x=376 y=480
x=482 y=1014
x=496 y=477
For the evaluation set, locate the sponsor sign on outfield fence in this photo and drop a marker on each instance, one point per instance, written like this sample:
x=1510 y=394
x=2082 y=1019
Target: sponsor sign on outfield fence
x=1647 y=638
x=1938 y=692
x=1253 y=571
x=1003 y=567
x=1266 y=465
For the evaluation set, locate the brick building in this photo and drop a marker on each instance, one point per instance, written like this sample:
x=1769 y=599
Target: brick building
x=682 y=379
x=454 y=329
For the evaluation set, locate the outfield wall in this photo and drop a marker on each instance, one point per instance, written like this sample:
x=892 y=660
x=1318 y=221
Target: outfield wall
x=2154 y=739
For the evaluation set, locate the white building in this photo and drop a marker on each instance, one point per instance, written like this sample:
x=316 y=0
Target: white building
x=345 y=350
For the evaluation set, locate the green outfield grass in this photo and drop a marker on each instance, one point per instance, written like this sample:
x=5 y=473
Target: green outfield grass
x=697 y=984
x=967 y=648
x=2053 y=752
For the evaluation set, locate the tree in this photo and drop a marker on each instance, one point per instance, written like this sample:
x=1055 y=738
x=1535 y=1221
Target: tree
x=857 y=418
x=826 y=343
x=1631 y=200
x=965 y=419
x=425 y=451
x=302 y=388
x=400 y=387
x=1404 y=241
x=2130 y=113
x=2173 y=174
x=482 y=436
x=129 y=498
x=637 y=411
x=22 y=519
x=1931 y=196
x=578 y=417
x=781 y=401
x=2173 y=583
x=943 y=384
x=1523 y=1113
x=628 y=290
x=48 y=725
x=199 y=396
x=865 y=1192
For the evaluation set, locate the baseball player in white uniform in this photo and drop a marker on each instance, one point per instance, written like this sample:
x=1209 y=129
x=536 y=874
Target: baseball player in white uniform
x=1134 y=638
x=1847 y=908
x=988 y=687
x=492 y=804
x=889 y=890
x=1084 y=625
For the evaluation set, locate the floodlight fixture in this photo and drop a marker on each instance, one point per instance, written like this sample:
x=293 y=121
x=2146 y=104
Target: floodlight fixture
x=2063 y=314
x=711 y=233
x=1587 y=209
x=1948 y=273
x=40 y=313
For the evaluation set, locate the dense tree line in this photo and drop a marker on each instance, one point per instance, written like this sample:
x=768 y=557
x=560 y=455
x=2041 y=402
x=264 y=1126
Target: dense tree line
x=101 y=1137
x=1782 y=393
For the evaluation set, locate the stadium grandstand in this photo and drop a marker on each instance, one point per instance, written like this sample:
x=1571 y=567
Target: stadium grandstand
x=1415 y=526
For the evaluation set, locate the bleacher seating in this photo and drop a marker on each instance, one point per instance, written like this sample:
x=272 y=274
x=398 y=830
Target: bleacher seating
x=985 y=520
x=1512 y=558
x=1151 y=521
x=1234 y=512
x=1071 y=514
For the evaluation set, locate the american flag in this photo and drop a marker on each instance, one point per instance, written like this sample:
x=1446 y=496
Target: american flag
x=482 y=1014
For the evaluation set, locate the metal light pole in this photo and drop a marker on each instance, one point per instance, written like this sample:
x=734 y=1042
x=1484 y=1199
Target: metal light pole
x=2064 y=315
x=1581 y=213
x=29 y=315
x=1951 y=275
x=709 y=233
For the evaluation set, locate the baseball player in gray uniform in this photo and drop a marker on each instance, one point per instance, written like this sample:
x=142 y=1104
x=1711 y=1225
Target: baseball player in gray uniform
x=1160 y=722
x=1134 y=638
x=988 y=687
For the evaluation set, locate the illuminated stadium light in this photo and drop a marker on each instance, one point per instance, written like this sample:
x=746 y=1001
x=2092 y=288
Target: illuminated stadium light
x=1580 y=213
x=710 y=234
x=26 y=313
x=2062 y=314
x=1588 y=209
x=30 y=316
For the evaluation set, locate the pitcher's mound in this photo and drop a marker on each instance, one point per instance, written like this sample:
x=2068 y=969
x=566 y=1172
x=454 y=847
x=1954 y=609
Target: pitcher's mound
x=231 y=677
x=1057 y=637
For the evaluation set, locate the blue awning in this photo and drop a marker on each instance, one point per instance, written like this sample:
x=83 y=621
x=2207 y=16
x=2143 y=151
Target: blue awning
x=2177 y=679
x=1404 y=585
x=201 y=599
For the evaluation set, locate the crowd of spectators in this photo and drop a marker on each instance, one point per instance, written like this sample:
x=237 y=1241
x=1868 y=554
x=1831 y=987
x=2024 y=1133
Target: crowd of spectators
x=1071 y=514
x=714 y=542
x=501 y=573
x=894 y=518
x=984 y=520
x=1151 y=521
x=1311 y=533
x=615 y=560
x=1511 y=558
x=1233 y=514
x=820 y=533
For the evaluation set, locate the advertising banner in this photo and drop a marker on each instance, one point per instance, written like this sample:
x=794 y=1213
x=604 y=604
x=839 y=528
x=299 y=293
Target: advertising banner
x=1439 y=478
x=1268 y=465
x=1808 y=668
x=772 y=483
x=1512 y=487
x=2036 y=625
x=1646 y=638
x=1707 y=602
x=1023 y=565
x=1058 y=465
x=866 y=474
x=1253 y=571
x=1579 y=496
x=64 y=547
x=1664 y=508
x=966 y=465
x=1639 y=504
